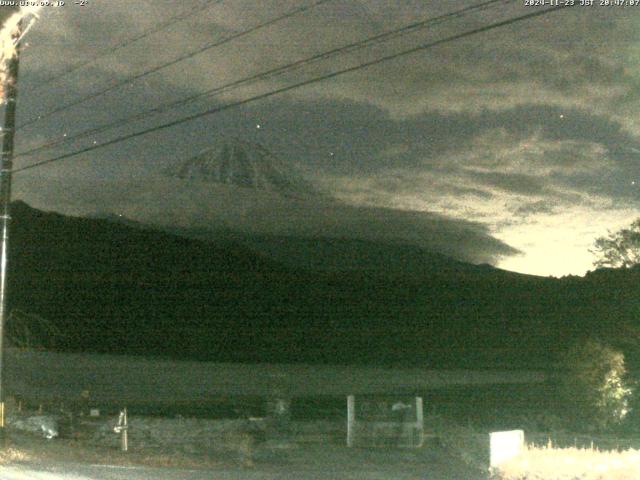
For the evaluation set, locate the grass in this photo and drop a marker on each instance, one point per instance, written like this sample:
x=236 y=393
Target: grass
x=549 y=463
x=17 y=447
x=12 y=454
x=542 y=462
x=321 y=443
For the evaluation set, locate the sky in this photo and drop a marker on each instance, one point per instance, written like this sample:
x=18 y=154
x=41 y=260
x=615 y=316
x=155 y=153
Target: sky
x=516 y=146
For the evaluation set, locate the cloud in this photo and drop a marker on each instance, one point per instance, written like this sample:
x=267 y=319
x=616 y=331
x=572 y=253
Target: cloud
x=506 y=131
x=539 y=206
x=175 y=202
x=513 y=182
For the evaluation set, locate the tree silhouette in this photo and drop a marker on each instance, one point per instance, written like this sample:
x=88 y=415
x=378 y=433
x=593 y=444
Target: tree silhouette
x=620 y=249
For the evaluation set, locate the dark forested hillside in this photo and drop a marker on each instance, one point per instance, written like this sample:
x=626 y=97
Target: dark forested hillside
x=114 y=288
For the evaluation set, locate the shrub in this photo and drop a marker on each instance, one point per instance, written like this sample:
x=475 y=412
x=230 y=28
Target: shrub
x=593 y=388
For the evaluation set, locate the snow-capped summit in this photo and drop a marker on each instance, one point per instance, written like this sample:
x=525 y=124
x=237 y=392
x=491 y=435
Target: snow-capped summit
x=239 y=163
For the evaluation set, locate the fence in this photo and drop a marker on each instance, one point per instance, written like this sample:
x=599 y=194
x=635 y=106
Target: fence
x=377 y=421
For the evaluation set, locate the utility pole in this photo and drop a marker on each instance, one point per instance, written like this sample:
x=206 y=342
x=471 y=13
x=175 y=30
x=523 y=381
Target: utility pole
x=10 y=95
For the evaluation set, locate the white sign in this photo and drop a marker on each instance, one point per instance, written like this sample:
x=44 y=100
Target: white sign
x=505 y=445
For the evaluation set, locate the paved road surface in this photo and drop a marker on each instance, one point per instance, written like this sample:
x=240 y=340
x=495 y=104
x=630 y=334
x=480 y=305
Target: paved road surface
x=69 y=471
x=121 y=379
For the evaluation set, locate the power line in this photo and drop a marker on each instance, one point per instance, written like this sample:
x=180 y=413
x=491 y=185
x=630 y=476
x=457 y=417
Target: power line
x=272 y=72
x=212 y=111
x=119 y=46
x=172 y=62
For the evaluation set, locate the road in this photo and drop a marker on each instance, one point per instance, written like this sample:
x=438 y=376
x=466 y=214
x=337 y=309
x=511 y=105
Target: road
x=74 y=471
x=126 y=380
x=111 y=472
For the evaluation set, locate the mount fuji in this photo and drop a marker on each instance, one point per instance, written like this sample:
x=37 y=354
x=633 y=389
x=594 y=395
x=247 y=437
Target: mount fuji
x=238 y=163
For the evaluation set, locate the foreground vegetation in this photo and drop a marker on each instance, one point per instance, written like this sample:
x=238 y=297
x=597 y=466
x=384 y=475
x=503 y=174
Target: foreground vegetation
x=87 y=285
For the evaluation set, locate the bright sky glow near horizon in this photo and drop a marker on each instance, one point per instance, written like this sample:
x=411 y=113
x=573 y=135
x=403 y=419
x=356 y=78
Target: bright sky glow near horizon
x=525 y=137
